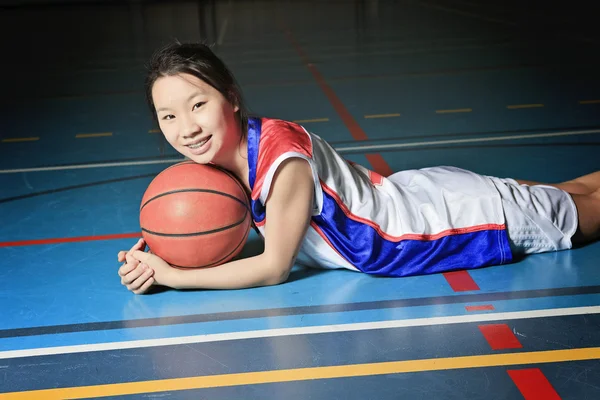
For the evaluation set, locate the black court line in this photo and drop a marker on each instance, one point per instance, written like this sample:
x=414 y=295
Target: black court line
x=301 y=310
x=80 y=186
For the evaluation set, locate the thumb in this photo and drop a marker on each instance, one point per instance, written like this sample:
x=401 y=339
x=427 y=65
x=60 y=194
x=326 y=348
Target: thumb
x=142 y=256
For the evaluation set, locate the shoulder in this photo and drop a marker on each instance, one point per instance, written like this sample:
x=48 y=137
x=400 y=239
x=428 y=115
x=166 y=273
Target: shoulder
x=278 y=137
x=281 y=143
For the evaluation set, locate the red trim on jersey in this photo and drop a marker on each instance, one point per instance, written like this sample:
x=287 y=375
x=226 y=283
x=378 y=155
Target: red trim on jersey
x=320 y=232
x=408 y=236
x=278 y=137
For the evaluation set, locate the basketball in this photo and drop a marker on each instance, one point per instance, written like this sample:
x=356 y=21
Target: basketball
x=195 y=216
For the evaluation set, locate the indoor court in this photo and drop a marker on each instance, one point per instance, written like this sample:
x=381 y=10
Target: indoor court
x=508 y=89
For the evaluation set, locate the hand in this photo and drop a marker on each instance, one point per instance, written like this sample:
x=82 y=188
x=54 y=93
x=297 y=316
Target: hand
x=163 y=273
x=136 y=276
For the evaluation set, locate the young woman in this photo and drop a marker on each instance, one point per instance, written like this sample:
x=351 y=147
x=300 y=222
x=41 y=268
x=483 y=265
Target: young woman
x=315 y=208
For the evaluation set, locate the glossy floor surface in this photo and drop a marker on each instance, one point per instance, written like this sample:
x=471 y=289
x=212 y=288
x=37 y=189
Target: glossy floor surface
x=509 y=90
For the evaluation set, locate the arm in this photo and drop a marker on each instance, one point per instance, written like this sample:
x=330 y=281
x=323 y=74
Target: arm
x=288 y=212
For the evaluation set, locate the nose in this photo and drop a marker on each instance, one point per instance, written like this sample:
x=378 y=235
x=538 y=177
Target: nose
x=190 y=128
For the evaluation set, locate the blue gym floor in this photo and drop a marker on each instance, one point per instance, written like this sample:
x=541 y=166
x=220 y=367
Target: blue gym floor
x=509 y=89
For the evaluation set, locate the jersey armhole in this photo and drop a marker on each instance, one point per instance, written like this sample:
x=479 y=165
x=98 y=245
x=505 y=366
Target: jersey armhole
x=318 y=192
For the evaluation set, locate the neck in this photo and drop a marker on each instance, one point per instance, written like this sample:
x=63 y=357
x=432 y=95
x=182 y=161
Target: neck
x=238 y=164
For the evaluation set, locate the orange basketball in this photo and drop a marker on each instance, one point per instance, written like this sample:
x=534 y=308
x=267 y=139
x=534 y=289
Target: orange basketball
x=195 y=216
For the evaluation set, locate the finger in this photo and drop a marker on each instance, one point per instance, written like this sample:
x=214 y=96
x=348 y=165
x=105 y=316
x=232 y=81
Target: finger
x=143 y=256
x=126 y=268
x=145 y=286
x=139 y=282
x=132 y=276
x=139 y=245
x=121 y=256
x=131 y=260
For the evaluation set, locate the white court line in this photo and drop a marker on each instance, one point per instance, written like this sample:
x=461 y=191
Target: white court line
x=218 y=337
x=340 y=149
x=472 y=140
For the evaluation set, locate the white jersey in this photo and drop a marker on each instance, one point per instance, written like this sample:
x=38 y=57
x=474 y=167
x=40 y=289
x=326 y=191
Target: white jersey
x=413 y=222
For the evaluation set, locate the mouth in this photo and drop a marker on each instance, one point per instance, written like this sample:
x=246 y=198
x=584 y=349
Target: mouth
x=199 y=144
x=200 y=147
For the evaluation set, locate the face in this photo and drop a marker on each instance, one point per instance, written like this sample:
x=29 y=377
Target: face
x=196 y=119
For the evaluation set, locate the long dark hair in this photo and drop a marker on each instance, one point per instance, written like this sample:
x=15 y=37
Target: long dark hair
x=198 y=60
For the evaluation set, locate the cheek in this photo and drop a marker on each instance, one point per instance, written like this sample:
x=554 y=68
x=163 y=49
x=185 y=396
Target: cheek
x=170 y=134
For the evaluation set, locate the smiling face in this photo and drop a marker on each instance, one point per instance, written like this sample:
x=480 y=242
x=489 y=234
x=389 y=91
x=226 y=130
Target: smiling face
x=196 y=119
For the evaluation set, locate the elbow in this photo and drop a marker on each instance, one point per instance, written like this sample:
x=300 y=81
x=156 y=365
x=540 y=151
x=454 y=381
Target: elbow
x=278 y=274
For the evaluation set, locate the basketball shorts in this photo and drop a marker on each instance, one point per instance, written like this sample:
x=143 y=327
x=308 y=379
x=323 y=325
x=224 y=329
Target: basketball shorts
x=539 y=218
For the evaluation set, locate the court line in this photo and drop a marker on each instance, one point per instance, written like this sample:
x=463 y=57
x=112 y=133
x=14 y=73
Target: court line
x=456 y=110
x=225 y=23
x=339 y=149
x=222 y=31
x=520 y=106
x=300 y=121
x=93 y=165
x=17 y=140
x=92 y=135
x=471 y=140
x=73 y=187
x=391 y=115
x=376 y=160
x=73 y=239
x=312 y=373
x=308 y=330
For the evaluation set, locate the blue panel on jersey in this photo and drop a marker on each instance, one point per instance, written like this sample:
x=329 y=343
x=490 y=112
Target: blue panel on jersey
x=363 y=247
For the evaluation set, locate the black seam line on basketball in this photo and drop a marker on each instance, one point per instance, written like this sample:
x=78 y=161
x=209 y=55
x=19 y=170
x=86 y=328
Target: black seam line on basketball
x=80 y=186
x=194 y=190
x=224 y=257
x=224 y=228
x=299 y=310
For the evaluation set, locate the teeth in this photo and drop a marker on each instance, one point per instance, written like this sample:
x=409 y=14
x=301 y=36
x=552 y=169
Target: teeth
x=197 y=145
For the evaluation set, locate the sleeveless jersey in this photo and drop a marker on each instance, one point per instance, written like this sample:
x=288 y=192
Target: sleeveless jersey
x=414 y=222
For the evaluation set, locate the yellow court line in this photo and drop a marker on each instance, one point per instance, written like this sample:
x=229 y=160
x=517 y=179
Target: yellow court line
x=516 y=106
x=25 y=139
x=154 y=131
x=382 y=115
x=299 y=121
x=589 y=101
x=301 y=374
x=91 y=135
x=457 y=110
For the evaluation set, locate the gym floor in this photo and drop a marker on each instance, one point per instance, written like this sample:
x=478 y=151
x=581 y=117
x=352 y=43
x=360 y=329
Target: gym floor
x=509 y=89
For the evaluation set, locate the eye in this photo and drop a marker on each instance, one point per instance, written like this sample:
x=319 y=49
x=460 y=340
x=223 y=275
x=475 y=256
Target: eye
x=168 y=117
x=198 y=105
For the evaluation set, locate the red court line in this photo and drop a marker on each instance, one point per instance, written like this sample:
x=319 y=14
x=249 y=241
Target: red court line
x=460 y=281
x=500 y=337
x=377 y=161
x=487 y=307
x=533 y=385
x=71 y=239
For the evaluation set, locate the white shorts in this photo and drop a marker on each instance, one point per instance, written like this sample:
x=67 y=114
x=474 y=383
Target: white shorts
x=539 y=218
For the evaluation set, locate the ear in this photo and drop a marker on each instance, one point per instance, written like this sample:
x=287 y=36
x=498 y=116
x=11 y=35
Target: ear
x=233 y=99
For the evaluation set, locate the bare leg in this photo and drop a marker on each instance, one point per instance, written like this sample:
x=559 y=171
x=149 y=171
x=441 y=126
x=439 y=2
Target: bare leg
x=588 y=208
x=582 y=185
x=585 y=191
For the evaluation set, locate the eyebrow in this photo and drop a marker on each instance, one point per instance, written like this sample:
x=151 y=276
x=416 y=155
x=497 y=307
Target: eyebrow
x=195 y=94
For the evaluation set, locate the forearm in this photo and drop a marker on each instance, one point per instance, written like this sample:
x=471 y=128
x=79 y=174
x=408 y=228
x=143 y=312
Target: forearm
x=243 y=273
